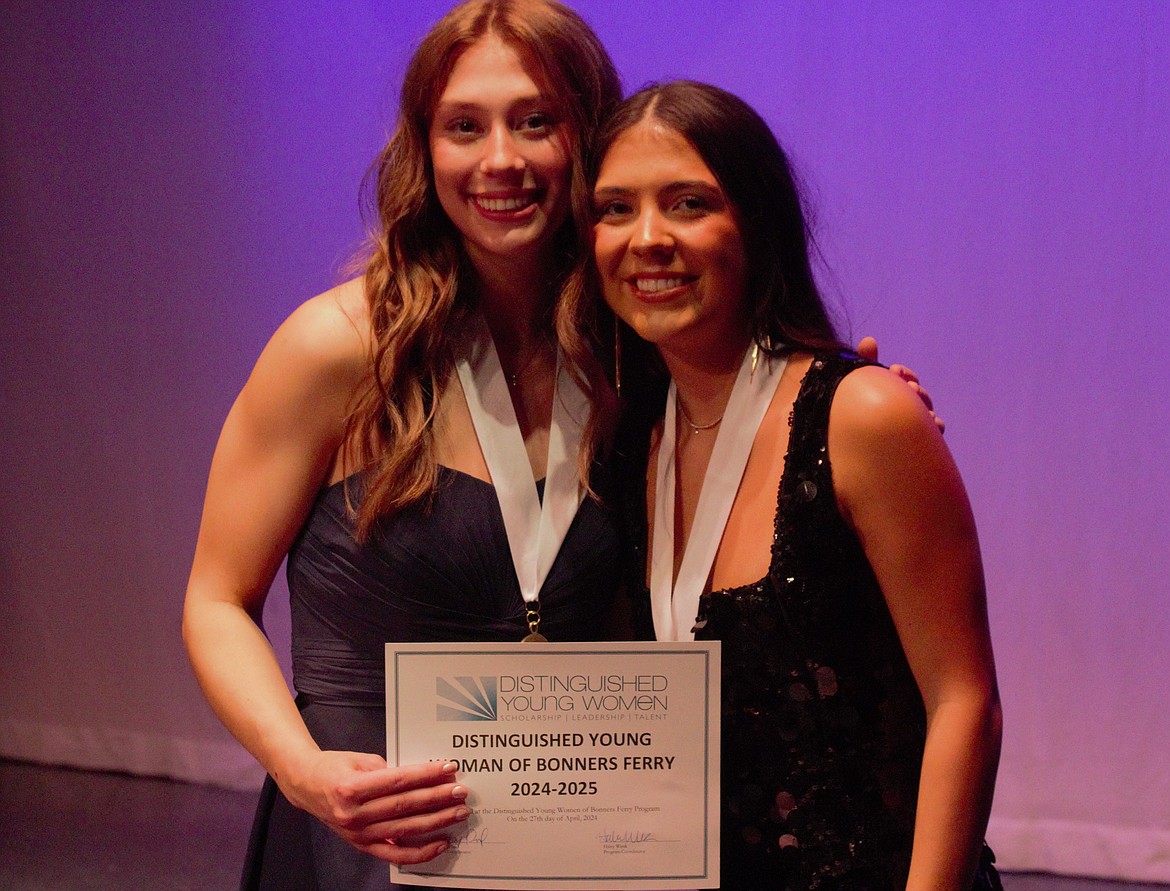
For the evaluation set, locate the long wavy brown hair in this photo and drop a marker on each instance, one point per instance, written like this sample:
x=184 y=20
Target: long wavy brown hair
x=419 y=283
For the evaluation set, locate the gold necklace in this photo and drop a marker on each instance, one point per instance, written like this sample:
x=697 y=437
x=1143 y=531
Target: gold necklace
x=697 y=427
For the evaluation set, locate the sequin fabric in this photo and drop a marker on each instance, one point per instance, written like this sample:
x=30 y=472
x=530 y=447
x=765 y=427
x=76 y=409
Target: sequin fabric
x=823 y=724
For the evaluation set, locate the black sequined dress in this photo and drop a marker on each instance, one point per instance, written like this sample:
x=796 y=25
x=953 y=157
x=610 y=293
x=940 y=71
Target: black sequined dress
x=437 y=572
x=823 y=724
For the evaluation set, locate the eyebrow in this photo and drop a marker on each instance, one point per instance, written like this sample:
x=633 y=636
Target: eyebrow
x=471 y=105
x=669 y=187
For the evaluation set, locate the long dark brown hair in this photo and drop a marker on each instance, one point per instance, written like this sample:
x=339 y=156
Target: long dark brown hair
x=738 y=146
x=418 y=282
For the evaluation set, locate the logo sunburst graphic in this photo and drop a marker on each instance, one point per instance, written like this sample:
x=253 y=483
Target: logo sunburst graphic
x=467 y=699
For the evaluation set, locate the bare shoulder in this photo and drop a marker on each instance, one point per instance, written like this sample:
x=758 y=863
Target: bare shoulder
x=885 y=449
x=315 y=362
x=331 y=329
x=873 y=402
x=324 y=343
x=278 y=444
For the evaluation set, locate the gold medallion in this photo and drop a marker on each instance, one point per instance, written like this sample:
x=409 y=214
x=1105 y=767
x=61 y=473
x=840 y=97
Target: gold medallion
x=532 y=617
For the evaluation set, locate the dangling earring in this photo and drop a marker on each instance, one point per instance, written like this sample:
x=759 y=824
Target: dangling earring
x=617 y=356
x=757 y=348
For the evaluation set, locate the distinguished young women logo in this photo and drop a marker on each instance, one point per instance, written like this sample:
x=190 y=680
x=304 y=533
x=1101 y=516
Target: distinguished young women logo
x=481 y=698
x=468 y=699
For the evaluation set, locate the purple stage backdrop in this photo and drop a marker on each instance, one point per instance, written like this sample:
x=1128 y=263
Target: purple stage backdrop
x=991 y=183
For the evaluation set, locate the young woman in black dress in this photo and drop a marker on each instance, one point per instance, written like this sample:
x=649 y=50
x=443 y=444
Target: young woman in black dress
x=802 y=508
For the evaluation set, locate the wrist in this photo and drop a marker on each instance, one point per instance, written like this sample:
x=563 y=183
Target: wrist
x=291 y=766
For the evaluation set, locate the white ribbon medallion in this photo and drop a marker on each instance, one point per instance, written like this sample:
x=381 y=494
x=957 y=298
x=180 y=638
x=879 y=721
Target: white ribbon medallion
x=535 y=528
x=675 y=602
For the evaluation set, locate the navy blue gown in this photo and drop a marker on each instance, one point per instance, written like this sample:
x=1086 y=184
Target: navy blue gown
x=436 y=571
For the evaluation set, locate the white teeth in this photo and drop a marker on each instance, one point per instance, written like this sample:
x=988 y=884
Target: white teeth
x=657 y=284
x=502 y=204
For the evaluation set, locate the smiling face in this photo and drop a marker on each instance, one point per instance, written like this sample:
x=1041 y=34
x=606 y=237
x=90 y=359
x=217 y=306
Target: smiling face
x=667 y=244
x=500 y=156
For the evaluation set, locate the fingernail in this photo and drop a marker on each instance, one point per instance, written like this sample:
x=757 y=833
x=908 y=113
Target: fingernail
x=459 y=792
x=443 y=847
x=462 y=813
x=450 y=767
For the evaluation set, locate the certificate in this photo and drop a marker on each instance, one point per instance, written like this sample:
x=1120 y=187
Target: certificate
x=592 y=765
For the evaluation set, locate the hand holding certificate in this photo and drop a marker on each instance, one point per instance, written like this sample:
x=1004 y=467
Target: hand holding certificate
x=589 y=765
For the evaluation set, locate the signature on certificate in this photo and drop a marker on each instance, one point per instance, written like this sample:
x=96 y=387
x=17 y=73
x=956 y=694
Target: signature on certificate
x=624 y=836
x=468 y=838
